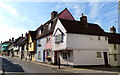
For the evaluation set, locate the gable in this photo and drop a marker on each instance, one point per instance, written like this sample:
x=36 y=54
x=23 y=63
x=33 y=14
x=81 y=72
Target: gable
x=58 y=31
x=66 y=15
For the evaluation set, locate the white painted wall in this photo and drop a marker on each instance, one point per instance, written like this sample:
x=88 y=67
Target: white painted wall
x=68 y=61
x=62 y=45
x=86 y=42
x=88 y=57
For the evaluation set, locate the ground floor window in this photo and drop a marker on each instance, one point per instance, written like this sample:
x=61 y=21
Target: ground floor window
x=39 y=55
x=48 y=53
x=99 y=55
x=115 y=57
x=64 y=55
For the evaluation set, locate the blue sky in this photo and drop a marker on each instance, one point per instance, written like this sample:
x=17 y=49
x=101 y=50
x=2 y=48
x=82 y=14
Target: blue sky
x=19 y=17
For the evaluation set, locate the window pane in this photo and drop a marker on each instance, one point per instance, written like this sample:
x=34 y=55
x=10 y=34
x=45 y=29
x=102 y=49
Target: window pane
x=98 y=54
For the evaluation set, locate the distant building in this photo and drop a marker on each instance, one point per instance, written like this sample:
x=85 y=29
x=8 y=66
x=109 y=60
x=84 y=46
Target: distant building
x=114 y=47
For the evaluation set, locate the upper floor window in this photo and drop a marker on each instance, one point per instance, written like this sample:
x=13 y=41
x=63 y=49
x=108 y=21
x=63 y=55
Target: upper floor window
x=48 y=39
x=59 y=38
x=49 y=26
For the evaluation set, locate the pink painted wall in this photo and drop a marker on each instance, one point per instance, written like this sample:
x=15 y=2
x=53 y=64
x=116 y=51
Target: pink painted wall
x=66 y=15
x=49 y=44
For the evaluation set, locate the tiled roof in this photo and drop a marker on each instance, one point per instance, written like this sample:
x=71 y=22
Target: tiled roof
x=78 y=27
x=113 y=38
x=33 y=35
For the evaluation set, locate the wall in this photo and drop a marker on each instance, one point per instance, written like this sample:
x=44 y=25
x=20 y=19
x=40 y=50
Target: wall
x=68 y=61
x=32 y=44
x=41 y=49
x=86 y=42
x=88 y=57
x=112 y=51
x=60 y=46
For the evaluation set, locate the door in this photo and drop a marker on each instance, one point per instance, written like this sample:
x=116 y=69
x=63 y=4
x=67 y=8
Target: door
x=44 y=56
x=55 y=58
x=105 y=58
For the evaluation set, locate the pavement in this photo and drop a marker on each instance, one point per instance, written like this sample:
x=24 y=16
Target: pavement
x=36 y=67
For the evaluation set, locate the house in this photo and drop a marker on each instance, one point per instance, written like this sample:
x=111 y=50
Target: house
x=79 y=43
x=114 y=47
x=11 y=47
x=16 y=49
x=5 y=49
x=23 y=48
x=45 y=33
x=32 y=45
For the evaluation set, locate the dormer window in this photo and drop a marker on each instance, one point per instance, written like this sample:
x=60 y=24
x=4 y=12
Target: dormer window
x=49 y=26
x=39 y=32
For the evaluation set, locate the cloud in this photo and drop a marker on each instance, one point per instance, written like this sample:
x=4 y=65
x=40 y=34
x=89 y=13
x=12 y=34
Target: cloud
x=12 y=11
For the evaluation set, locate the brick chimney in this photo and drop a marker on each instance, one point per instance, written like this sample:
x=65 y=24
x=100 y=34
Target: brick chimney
x=113 y=29
x=83 y=19
x=12 y=39
x=22 y=35
x=9 y=39
x=54 y=14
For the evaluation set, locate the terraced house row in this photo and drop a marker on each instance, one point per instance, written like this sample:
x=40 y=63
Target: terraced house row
x=76 y=43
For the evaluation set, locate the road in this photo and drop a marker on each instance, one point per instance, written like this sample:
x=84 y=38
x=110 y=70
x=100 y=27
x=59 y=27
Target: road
x=14 y=66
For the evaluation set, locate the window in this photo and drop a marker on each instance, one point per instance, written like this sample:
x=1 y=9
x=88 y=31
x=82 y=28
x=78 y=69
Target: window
x=59 y=38
x=48 y=39
x=115 y=57
x=115 y=47
x=49 y=26
x=39 y=32
x=48 y=53
x=98 y=37
x=39 y=55
x=64 y=55
x=99 y=55
x=105 y=38
x=30 y=44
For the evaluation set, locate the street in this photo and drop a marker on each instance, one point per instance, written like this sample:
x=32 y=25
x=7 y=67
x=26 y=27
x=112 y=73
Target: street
x=15 y=66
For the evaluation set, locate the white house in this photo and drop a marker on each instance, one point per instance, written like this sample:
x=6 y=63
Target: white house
x=114 y=47
x=79 y=43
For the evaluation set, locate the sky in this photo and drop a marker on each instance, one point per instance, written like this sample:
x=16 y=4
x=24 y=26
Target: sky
x=17 y=18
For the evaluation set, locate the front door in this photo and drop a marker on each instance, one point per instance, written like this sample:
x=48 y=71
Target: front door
x=105 y=58
x=55 y=57
x=44 y=56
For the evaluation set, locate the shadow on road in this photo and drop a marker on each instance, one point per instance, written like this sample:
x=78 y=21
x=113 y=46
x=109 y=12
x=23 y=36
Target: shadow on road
x=9 y=66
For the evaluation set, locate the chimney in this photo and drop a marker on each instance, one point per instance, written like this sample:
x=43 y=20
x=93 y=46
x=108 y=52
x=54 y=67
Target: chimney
x=26 y=34
x=12 y=39
x=9 y=39
x=54 y=14
x=83 y=19
x=113 y=29
x=22 y=35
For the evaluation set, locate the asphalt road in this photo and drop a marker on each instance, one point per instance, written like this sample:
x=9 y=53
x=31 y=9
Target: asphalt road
x=14 y=66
